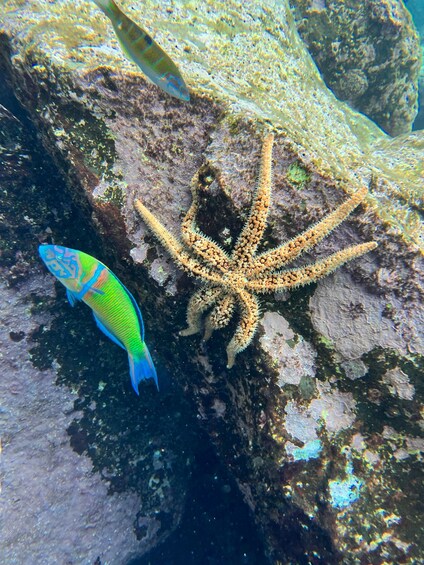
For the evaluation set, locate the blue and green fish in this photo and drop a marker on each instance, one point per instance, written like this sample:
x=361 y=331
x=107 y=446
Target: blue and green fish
x=114 y=307
x=145 y=52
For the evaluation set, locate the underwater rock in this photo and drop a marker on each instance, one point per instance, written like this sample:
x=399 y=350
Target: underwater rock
x=294 y=357
x=80 y=482
x=355 y=321
x=327 y=454
x=416 y=7
x=419 y=122
x=55 y=506
x=369 y=55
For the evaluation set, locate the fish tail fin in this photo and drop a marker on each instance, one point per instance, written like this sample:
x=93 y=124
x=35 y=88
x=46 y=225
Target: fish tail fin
x=107 y=6
x=142 y=368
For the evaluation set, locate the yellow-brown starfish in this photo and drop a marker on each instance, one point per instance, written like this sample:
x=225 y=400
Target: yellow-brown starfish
x=234 y=280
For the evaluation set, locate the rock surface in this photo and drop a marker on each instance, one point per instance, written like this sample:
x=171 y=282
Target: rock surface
x=416 y=7
x=87 y=474
x=55 y=507
x=322 y=431
x=369 y=54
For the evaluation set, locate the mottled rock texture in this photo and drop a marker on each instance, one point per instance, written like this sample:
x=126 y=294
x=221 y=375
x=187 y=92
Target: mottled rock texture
x=416 y=7
x=55 y=507
x=328 y=457
x=87 y=474
x=369 y=54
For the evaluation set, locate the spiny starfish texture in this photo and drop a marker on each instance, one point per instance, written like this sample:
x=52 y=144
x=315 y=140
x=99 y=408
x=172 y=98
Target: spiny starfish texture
x=233 y=281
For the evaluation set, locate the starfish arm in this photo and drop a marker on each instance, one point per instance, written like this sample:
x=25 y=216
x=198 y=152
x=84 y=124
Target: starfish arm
x=202 y=245
x=171 y=243
x=247 y=326
x=199 y=303
x=175 y=248
x=292 y=278
x=253 y=230
x=220 y=315
x=289 y=251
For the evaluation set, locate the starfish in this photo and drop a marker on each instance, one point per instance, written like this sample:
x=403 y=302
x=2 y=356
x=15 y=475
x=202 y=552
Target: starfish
x=231 y=281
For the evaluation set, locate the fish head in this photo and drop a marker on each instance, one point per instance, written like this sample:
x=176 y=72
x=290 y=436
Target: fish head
x=175 y=86
x=62 y=262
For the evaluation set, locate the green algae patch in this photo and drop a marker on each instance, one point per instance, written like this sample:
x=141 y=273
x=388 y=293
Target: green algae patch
x=297 y=175
x=114 y=194
x=388 y=401
x=91 y=138
x=94 y=140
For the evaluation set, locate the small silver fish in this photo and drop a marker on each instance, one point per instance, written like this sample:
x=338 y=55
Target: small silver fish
x=145 y=52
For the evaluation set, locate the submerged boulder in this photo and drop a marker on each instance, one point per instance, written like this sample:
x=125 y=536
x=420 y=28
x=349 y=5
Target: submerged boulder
x=87 y=473
x=319 y=420
x=417 y=10
x=369 y=55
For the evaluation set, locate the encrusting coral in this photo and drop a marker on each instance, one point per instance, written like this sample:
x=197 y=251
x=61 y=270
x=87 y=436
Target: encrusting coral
x=234 y=280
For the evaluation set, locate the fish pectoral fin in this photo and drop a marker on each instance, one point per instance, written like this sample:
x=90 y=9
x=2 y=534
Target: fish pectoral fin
x=107 y=332
x=72 y=297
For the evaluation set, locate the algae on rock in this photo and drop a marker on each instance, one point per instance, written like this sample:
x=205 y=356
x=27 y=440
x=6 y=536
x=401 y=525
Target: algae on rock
x=222 y=47
x=369 y=55
x=248 y=70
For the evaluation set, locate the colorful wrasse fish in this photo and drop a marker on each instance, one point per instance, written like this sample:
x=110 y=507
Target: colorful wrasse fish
x=114 y=307
x=145 y=52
